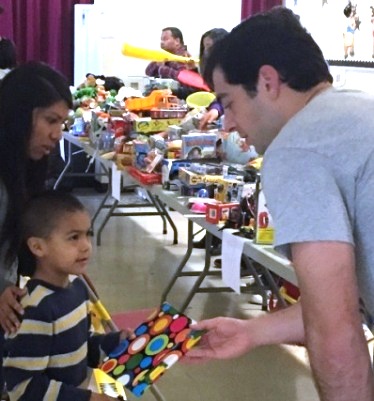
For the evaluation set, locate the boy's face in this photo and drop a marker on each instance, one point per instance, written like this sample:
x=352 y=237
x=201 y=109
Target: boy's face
x=67 y=250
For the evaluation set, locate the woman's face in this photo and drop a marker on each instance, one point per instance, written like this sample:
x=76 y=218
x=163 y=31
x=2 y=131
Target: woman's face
x=46 y=129
x=207 y=43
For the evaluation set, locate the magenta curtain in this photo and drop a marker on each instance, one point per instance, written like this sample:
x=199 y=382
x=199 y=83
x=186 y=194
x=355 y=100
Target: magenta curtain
x=42 y=30
x=250 y=7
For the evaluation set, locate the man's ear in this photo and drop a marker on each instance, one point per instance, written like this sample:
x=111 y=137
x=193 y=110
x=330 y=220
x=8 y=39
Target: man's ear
x=269 y=81
x=35 y=245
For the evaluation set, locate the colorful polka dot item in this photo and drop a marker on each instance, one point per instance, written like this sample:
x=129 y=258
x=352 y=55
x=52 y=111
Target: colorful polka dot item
x=160 y=342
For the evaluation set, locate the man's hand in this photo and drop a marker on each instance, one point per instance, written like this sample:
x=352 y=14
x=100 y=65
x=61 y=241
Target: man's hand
x=225 y=338
x=10 y=308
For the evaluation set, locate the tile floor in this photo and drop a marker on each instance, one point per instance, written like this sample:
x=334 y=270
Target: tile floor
x=130 y=270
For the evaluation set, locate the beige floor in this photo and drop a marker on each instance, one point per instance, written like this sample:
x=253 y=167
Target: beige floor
x=130 y=270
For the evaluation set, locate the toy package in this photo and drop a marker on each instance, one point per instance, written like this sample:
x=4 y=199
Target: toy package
x=160 y=342
x=197 y=145
x=264 y=222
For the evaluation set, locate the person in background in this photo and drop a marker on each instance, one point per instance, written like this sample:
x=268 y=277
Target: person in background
x=49 y=355
x=34 y=102
x=172 y=42
x=8 y=56
x=319 y=193
x=208 y=39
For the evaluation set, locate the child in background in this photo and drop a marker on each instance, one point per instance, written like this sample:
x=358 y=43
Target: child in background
x=50 y=355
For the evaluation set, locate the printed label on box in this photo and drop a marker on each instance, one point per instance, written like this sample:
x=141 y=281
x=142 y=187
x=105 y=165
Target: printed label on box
x=264 y=222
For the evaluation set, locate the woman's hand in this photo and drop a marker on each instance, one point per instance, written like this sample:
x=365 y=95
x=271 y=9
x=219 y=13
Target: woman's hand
x=10 y=308
x=208 y=117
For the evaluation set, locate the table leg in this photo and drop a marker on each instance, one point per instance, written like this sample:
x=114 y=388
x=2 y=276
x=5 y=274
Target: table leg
x=204 y=272
x=182 y=264
x=107 y=217
x=169 y=219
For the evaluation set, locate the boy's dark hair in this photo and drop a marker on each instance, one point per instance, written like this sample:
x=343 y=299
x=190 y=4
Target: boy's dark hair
x=43 y=212
x=274 y=38
x=176 y=33
x=39 y=219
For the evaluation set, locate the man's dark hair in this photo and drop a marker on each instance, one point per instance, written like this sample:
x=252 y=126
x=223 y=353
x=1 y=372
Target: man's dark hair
x=274 y=38
x=176 y=33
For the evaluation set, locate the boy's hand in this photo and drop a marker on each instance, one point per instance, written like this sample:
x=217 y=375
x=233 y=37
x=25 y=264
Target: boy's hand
x=127 y=334
x=10 y=308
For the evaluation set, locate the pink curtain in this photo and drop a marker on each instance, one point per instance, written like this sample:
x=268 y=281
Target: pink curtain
x=250 y=7
x=42 y=30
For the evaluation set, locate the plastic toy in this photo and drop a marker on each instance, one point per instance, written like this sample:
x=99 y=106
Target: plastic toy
x=154 y=55
x=162 y=99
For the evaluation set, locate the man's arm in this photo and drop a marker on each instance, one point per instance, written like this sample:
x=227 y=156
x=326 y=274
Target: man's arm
x=229 y=338
x=333 y=328
x=152 y=69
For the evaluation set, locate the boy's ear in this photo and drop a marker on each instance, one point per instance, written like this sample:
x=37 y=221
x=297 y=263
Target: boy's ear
x=35 y=245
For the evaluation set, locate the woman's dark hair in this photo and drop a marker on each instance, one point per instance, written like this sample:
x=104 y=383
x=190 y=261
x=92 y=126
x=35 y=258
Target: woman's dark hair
x=8 y=55
x=113 y=83
x=27 y=87
x=274 y=38
x=215 y=34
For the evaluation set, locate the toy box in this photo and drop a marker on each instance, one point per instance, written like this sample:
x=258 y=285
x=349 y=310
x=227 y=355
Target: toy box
x=198 y=145
x=221 y=211
x=141 y=151
x=264 y=222
x=192 y=179
x=148 y=125
x=144 y=178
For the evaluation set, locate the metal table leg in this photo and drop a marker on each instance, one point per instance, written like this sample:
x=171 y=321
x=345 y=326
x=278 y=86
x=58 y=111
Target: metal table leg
x=107 y=217
x=202 y=274
x=169 y=219
x=182 y=264
x=161 y=212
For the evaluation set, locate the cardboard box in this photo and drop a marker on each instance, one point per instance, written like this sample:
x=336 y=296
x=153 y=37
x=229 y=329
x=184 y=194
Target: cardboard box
x=148 y=125
x=192 y=179
x=221 y=211
x=198 y=145
x=144 y=178
x=264 y=222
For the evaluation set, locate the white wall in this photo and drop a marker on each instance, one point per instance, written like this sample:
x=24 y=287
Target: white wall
x=100 y=33
x=324 y=24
